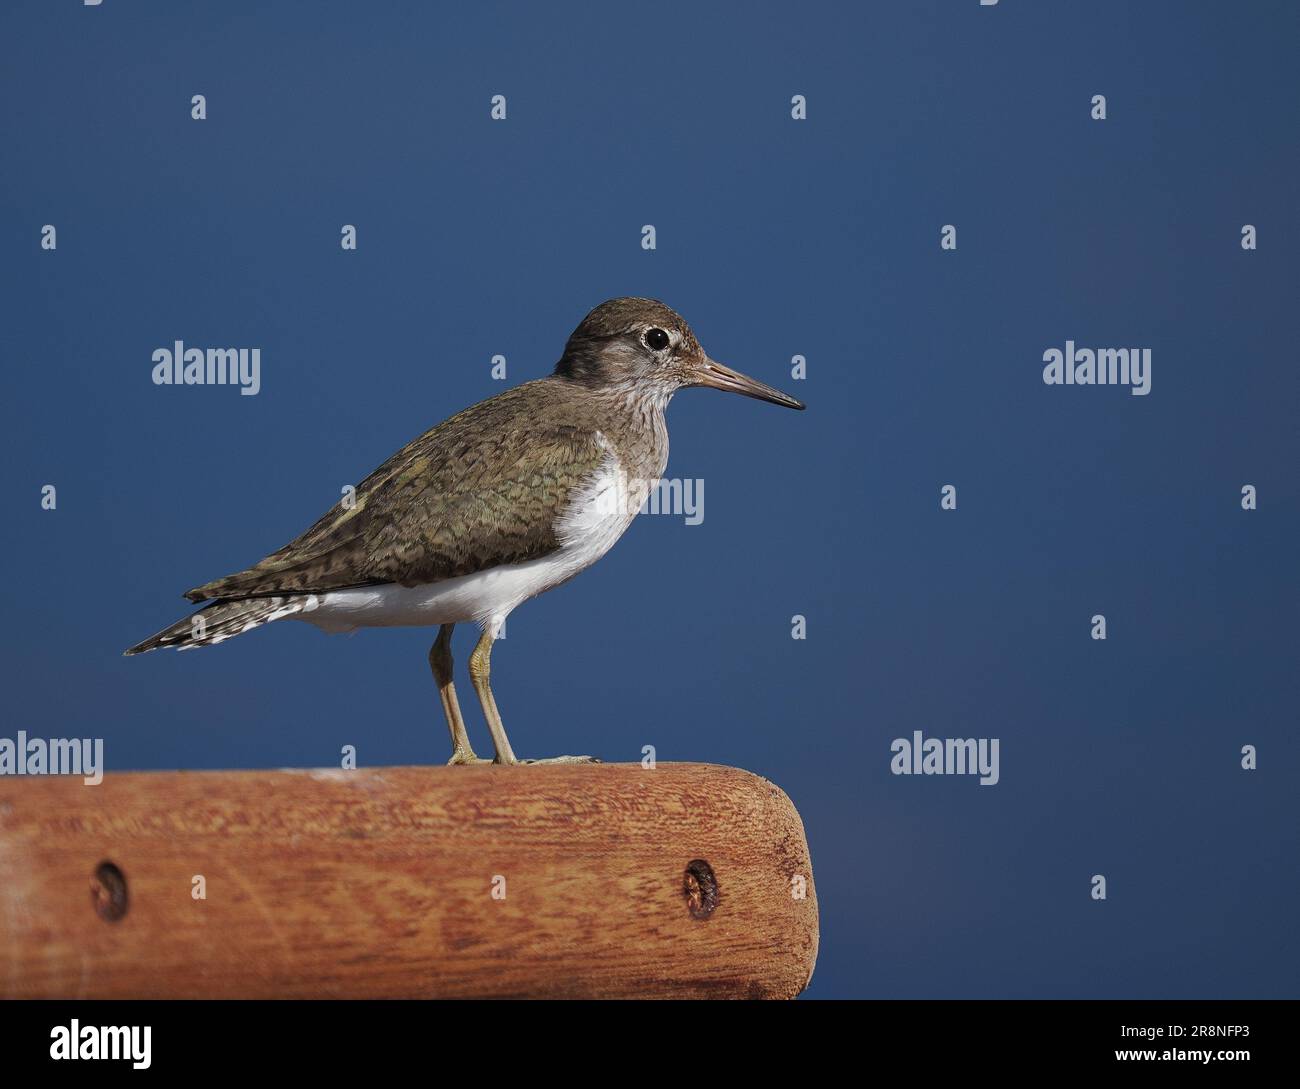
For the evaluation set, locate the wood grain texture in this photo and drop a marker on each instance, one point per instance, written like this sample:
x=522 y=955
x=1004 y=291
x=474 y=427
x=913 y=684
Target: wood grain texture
x=378 y=883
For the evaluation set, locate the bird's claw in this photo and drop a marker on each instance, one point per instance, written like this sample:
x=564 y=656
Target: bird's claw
x=462 y=757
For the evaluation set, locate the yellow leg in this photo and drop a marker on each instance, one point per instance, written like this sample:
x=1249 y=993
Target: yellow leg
x=440 y=663
x=480 y=669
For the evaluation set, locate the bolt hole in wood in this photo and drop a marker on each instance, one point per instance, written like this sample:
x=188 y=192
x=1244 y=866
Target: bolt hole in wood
x=108 y=892
x=701 y=888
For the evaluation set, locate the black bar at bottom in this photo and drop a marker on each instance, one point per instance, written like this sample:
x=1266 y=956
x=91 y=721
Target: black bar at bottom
x=337 y=1038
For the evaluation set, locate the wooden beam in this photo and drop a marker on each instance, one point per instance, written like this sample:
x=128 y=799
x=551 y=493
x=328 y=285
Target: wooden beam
x=602 y=880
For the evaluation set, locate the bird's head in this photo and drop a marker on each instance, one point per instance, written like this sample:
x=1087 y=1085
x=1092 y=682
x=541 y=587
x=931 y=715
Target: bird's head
x=641 y=345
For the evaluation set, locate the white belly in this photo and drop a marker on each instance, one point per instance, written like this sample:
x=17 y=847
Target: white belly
x=594 y=520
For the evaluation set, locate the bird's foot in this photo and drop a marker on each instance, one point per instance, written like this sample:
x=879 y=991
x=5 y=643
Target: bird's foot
x=564 y=760
x=466 y=756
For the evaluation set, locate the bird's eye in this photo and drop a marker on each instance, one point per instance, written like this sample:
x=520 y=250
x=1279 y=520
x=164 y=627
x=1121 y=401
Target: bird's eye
x=656 y=340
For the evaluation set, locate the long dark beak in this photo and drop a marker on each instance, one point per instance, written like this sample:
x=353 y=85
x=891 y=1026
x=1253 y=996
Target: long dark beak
x=715 y=375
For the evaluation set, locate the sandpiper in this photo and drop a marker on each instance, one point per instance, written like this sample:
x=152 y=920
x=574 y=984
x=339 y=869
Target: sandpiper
x=503 y=501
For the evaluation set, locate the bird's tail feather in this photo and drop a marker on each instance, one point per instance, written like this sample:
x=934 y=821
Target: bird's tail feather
x=221 y=620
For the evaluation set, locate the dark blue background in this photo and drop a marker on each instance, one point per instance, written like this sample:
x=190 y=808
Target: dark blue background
x=774 y=238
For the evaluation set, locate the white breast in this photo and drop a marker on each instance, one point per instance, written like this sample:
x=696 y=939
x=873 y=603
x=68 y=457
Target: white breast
x=595 y=518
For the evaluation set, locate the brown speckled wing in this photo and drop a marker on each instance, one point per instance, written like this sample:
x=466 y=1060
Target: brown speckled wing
x=483 y=488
